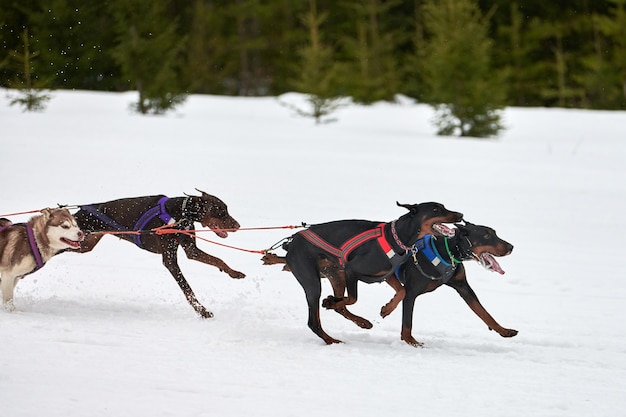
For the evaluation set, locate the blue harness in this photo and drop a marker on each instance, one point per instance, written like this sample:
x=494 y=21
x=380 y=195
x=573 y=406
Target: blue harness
x=429 y=261
x=158 y=210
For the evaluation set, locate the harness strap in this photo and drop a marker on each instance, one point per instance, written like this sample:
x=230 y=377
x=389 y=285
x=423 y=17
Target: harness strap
x=320 y=243
x=351 y=244
x=431 y=252
x=158 y=210
x=429 y=261
x=33 y=246
x=94 y=212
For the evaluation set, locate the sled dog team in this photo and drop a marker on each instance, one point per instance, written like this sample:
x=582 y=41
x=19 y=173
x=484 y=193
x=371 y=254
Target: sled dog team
x=416 y=253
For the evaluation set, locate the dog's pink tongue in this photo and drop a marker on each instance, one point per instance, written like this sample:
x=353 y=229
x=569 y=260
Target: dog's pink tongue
x=444 y=230
x=491 y=263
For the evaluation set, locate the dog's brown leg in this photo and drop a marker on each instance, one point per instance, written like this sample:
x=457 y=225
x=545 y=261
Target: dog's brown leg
x=489 y=320
x=397 y=298
x=408 y=337
x=460 y=284
x=192 y=252
x=170 y=262
x=337 y=279
x=272 y=259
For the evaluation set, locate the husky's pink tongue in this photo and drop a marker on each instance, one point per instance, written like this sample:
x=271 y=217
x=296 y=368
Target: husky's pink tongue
x=72 y=243
x=489 y=262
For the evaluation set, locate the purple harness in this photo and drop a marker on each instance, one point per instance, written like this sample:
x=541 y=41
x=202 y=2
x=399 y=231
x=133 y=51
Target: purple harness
x=147 y=217
x=32 y=242
x=34 y=247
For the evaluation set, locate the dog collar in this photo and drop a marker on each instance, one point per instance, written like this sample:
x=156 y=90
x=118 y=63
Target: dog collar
x=429 y=261
x=428 y=248
x=394 y=233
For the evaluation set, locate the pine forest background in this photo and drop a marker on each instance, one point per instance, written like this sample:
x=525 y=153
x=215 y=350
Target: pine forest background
x=565 y=53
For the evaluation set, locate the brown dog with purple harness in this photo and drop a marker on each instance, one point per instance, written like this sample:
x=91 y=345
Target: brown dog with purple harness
x=145 y=214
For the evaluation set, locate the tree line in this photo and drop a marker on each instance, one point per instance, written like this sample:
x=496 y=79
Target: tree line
x=566 y=53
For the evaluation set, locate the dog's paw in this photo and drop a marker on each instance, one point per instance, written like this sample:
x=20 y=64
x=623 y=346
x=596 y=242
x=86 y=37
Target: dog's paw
x=205 y=314
x=508 y=332
x=411 y=341
x=387 y=309
x=9 y=306
x=330 y=302
x=236 y=274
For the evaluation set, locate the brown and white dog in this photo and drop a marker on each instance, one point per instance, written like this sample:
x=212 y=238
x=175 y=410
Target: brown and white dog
x=26 y=247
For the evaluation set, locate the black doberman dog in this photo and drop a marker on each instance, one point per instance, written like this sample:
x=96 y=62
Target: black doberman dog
x=470 y=242
x=366 y=251
x=151 y=212
x=419 y=275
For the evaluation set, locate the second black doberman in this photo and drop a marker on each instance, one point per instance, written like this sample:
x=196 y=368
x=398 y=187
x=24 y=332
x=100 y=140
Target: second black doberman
x=366 y=251
x=470 y=242
x=151 y=212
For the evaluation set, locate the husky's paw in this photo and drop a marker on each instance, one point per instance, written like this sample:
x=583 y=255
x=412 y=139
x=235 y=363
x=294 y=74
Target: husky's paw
x=8 y=306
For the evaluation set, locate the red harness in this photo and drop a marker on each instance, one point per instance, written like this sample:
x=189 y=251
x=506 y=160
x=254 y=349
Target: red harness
x=351 y=244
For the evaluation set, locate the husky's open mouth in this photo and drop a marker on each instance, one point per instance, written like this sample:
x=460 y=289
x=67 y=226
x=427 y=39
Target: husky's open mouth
x=71 y=243
x=488 y=261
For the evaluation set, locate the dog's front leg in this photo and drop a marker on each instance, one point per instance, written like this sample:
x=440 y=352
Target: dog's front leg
x=171 y=263
x=192 y=252
x=460 y=284
x=7 y=285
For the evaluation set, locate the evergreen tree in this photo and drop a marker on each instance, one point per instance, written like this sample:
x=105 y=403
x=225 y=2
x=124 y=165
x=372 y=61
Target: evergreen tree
x=209 y=52
x=249 y=45
x=465 y=91
x=148 y=51
x=611 y=67
x=73 y=39
x=372 y=72
x=30 y=95
x=414 y=57
x=317 y=70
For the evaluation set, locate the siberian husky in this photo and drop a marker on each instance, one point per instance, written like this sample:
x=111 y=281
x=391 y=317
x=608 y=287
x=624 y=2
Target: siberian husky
x=26 y=247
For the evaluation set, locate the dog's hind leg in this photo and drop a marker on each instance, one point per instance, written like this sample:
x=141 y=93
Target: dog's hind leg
x=337 y=279
x=307 y=274
x=171 y=263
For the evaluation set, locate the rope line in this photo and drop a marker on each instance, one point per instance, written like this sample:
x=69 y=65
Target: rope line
x=171 y=228
x=20 y=212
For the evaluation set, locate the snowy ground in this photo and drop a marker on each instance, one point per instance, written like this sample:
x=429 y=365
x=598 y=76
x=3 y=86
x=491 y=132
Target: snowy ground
x=109 y=333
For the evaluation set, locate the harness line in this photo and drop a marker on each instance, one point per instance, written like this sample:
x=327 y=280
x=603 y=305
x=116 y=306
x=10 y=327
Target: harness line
x=20 y=212
x=171 y=228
